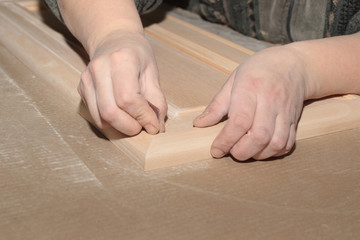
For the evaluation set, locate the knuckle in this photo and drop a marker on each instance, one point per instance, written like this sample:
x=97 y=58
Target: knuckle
x=95 y=65
x=125 y=100
x=261 y=136
x=241 y=122
x=108 y=113
x=277 y=144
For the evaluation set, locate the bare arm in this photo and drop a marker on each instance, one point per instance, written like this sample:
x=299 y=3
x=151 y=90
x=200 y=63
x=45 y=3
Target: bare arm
x=333 y=65
x=91 y=21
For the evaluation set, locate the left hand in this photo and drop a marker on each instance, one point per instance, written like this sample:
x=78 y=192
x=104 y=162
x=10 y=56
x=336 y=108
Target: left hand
x=263 y=100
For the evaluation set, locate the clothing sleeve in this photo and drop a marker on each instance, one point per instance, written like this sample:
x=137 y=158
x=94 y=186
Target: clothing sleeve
x=143 y=6
x=354 y=24
x=52 y=4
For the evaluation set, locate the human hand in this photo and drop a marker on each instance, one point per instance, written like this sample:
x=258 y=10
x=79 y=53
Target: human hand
x=263 y=101
x=120 y=85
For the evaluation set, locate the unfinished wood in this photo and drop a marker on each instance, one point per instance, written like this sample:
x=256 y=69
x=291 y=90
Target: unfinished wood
x=194 y=49
x=33 y=6
x=199 y=43
x=42 y=49
x=329 y=115
x=189 y=79
x=186 y=81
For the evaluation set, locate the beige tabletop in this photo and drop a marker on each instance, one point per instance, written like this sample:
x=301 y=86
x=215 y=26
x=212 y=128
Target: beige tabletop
x=61 y=179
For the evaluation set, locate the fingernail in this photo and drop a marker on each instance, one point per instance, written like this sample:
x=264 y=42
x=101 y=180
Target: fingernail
x=151 y=129
x=217 y=153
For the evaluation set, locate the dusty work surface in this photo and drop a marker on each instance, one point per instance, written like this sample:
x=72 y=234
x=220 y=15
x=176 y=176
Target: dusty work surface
x=60 y=179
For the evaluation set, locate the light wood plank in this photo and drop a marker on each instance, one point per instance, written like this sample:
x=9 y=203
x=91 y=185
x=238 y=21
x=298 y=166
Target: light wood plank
x=188 y=78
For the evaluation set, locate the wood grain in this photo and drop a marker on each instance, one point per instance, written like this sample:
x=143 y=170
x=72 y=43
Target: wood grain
x=193 y=65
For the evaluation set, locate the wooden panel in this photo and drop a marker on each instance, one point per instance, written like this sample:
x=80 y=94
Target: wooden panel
x=199 y=43
x=181 y=82
x=192 y=69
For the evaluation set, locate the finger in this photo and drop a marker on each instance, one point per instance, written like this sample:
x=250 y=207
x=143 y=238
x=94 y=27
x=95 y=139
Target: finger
x=290 y=143
x=218 y=107
x=241 y=115
x=155 y=97
x=80 y=89
x=108 y=109
x=279 y=139
x=127 y=91
x=292 y=138
x=87 y=93
x=259 y=136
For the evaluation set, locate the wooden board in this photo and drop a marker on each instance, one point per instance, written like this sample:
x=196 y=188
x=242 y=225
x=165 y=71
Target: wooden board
x=192 y=69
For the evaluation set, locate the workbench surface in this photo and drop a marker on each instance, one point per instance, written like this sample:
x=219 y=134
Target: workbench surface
x=61 y=179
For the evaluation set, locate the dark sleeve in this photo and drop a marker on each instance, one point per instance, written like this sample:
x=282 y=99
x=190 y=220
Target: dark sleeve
x=143 y=6
x=52 y=4
x=354 y=24
x=346 y=17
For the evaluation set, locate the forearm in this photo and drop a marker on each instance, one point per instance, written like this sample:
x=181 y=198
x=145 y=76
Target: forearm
x=332 y=65
x=91 y=21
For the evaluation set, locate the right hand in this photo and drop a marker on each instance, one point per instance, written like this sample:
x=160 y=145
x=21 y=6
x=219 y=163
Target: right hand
x=121 y=82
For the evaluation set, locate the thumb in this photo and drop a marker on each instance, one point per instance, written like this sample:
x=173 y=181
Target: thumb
x=160 y=108
x=154 y=96
x=157 y=102
x=217 y=109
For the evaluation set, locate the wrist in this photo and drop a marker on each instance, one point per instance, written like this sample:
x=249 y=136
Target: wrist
x=303 y=70
x=91 y=23
x=99 y=38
